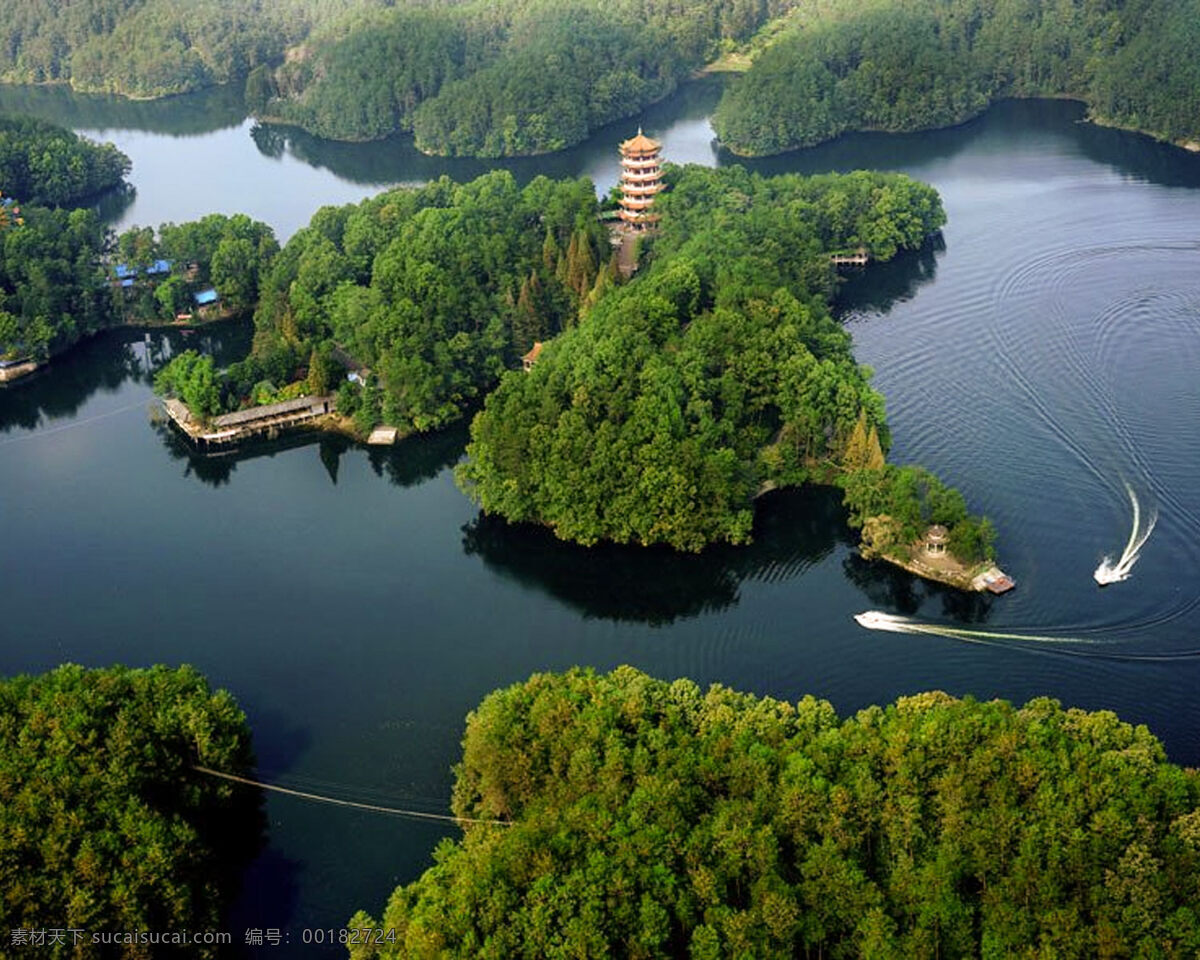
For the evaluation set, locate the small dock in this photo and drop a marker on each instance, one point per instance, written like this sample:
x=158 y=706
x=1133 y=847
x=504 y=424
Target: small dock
x=269 y=420
x=382 y=437
x=860 y=258
x=15 y=369
x=993 y=580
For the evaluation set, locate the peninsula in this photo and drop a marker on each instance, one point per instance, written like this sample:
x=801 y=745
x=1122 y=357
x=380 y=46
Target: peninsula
x=715 y=373
x=489 y=78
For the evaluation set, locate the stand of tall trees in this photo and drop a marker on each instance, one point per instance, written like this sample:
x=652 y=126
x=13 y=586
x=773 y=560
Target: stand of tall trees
x=41 y=163
x=151 y=48
x=716 y=373
x=653 y=819
x=104 y=824
x=435 y=290
x=53 y=289
x=498 y=79
x=882 y=65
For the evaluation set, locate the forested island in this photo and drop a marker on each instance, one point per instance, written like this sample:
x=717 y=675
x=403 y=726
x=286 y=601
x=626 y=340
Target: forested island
x=619 y=815
x=487 y=79
x=105 y=825
x=655 y=819
x=883 y=65
x=723 y=375
x=717 y=373
x=50 y=256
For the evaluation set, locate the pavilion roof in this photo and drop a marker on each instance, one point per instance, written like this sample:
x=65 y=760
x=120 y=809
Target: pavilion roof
x=640 y=144
x=533 y=354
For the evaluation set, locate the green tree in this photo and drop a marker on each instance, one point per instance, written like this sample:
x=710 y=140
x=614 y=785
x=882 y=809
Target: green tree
x=191 y=377
x=713 y=373
x=104 y=822
x=645 y=818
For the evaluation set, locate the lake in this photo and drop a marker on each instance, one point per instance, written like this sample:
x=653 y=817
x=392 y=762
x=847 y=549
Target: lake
x=1042 y=355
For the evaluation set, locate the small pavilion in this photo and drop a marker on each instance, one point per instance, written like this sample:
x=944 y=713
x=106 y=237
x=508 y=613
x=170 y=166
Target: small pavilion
x=936 y=538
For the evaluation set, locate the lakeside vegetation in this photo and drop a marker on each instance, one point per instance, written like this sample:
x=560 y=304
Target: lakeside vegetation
x=476 y=78
x=655 y=819
x=498 y=79
x=46 y=165
x=52 y=289
x=64 y=276
x=894 y=506
x=716 y=373
x=103 y=824
x=881 y=65
x=434 y=290
x=57 y=280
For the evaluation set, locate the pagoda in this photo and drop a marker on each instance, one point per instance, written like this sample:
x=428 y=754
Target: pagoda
x=641 y=179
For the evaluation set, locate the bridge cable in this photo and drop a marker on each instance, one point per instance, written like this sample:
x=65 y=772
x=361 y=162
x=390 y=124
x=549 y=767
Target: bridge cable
x=373 y=808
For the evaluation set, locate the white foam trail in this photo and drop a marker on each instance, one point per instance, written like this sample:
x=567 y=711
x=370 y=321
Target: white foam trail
x=1110 y=572
x=875 y=620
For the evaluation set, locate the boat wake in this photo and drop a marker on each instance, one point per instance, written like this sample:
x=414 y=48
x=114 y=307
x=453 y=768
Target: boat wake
x=1029 y=642
x=875 y=620
x=1114 y=572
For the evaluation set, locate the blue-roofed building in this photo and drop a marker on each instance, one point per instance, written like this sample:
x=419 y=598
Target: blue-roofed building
x=158 y=267
x=124 y=271
x=206 y=297
x=127 y=282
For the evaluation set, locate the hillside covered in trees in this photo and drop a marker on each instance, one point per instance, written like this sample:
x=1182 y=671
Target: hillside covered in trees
x=435 y=290
x=52 y=289
x=498 y=79
x=471 y=77
x=883 y=65
x=654 y=819
x=716 y=373
x=41 y=163
x=150 y=48
x=484 y=78
x=104 y=826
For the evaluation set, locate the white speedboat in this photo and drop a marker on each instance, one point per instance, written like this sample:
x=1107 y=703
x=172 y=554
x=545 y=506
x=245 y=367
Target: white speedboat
x=877 y=620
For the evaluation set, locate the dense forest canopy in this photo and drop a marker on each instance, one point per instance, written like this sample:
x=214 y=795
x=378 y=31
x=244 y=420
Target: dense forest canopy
x=498 y=79
x=57 y=279
x=469 y=76
x=151 y=48
x=433 y=290
x=882 y=65
x=485 y=78
x=103 y=824
x=653 y=819
x=717 y=372
x=52 y=285
x=41 y=163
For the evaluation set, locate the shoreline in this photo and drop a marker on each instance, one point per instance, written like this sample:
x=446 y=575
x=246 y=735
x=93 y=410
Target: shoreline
x=23 y=370
x=19 y=371
x=1190 y=145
